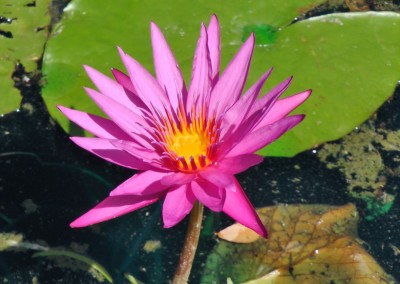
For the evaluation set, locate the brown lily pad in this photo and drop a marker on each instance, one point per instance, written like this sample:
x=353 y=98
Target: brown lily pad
x=307 y=244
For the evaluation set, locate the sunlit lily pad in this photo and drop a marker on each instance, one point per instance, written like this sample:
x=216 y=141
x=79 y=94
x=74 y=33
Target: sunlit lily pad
x=22 y=38
x=349 y=60
x=89 y=34
x=307 y=244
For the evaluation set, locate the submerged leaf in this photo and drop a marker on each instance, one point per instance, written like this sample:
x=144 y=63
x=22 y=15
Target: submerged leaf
x=307 y=244
x=9 y=240
x=94 y=266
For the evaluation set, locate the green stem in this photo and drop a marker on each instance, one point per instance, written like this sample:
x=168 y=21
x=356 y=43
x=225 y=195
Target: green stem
x=189 y=247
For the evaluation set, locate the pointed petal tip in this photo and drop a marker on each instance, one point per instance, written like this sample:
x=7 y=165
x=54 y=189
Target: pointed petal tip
x=90 y=71
x=153 y=26
x=252 y=38
x=121 y=52
x=78 y=224
x=167 y=225
x=214 y=17
x=264 y=233
x=154 y=29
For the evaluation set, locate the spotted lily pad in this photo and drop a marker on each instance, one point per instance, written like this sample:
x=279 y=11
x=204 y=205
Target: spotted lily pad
x=23 y=33
x=307 y=244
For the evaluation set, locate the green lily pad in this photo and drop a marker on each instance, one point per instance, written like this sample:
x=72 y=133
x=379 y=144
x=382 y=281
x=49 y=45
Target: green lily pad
x=89 y=33
x=352 y=63
x=23 y=35
x=349 y=60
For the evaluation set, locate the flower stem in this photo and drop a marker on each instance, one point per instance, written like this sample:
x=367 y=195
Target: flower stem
x=189 y=247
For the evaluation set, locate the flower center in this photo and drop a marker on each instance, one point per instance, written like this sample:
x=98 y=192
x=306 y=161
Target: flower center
x=189 y=144
x=189 y=139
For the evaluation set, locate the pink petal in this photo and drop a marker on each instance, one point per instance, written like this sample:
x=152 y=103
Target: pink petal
x=177 y=178
x=132 y=123
x=235 y=115
x=214 y=43
x=201 y=75
x=96 y=125
x=239 y=208
x=167 y=70
x=109 y=87
x=112 y=207
x=264 y=136
x=147 y=88
x=231 y=139
x=123 y=80
x=143 y=183
x=238 y=164
x=107 y=151
x=209 y=194
x=258 y=111
x=136 y=150
x=126 y=83
x=283 y=107
x=218 y=178
x=230 y=86
x=268 y=100
x=177 y=204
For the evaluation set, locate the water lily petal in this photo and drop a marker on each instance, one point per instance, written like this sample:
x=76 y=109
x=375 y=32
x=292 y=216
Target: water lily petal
x=283 y=107
x=109 y=87
x=167 y=69
x=146 y=86
x=218 y=178
x=238 y=164
x=209 y=194
x=107 y=151
x=264 y=136
x=177 y=204
x=238 y=112
x=123 y=80
x=98 y=126
x=201 y=74
x=136 y=150
x=129 y=89
x=112 y=207
x=132 y=123
x=177 y=178
x=214 y=47
x=142 y=183
x=265 y=104
x=239 y=208
x=230 y=86
x=260 y=110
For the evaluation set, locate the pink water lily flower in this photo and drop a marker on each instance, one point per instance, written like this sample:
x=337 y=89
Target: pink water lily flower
x=186 y=144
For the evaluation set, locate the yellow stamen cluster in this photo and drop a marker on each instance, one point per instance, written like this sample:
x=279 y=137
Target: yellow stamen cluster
x=187 y=140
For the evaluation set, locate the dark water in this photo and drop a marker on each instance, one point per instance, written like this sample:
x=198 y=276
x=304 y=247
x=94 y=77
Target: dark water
x=46 y=182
